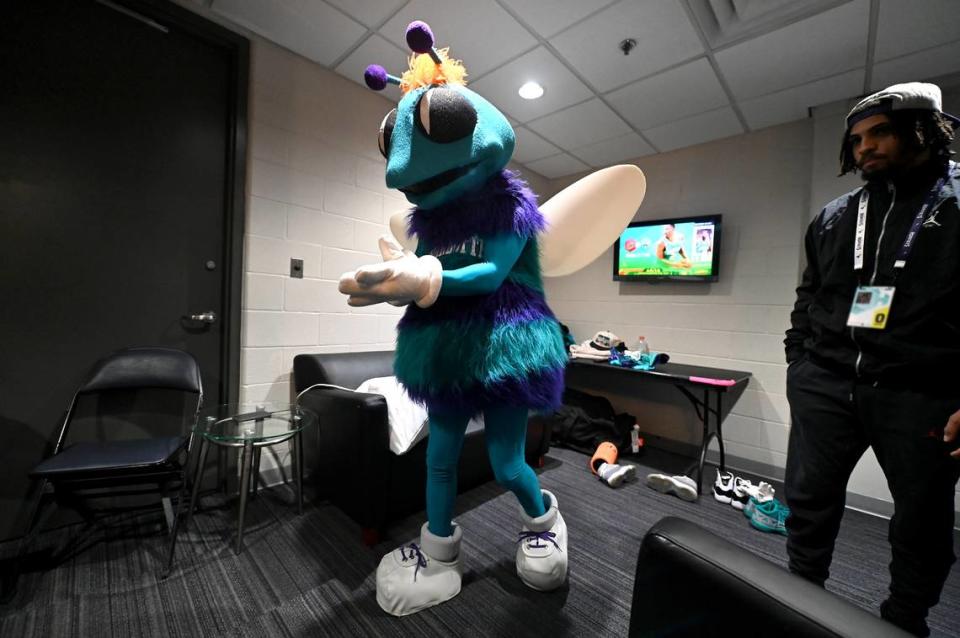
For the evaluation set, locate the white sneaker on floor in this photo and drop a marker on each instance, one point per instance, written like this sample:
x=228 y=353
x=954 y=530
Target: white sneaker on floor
x=744 y=490
x=682 y=487
x=415 y=576
x=723 y=487
x=613 y=474
x=542 y=554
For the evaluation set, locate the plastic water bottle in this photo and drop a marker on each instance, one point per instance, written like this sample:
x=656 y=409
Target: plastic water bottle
x=635 y=439
x=641 y=346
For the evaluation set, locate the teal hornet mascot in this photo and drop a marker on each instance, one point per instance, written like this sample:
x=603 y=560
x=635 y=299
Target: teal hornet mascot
x=477 y=336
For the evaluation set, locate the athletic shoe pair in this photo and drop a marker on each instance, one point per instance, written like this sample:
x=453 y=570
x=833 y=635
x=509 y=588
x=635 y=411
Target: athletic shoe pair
x=738 y=492
x=767 y=516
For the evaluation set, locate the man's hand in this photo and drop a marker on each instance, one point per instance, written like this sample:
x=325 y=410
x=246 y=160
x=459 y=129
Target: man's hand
x=402 y=278
x=952 y=431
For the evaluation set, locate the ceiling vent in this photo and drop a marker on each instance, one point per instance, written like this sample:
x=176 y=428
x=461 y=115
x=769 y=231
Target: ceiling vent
x=727 y=21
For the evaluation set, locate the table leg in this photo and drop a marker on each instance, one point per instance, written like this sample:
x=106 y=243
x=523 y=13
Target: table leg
x=245 y=464
x=703 y=410
x=197 y=477
x=222 y=469
x=255 y=476
x=723 y=461
x=705 y=440
x=298 y=468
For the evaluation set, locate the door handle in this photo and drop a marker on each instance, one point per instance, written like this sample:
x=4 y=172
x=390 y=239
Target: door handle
x=206 y=317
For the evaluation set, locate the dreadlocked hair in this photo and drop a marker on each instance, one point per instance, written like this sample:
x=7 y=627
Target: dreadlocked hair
x=917 y=128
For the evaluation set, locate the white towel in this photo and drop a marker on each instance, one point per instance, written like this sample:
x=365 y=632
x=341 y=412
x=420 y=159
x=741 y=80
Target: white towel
x=408 y=420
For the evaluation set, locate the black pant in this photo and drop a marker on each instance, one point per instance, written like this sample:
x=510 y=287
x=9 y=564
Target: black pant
x=834 y=420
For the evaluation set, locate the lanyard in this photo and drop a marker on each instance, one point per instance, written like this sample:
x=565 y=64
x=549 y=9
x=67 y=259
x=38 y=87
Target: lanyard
x=904 y=252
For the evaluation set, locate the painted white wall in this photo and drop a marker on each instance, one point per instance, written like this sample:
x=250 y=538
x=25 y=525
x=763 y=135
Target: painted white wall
x=315 y=192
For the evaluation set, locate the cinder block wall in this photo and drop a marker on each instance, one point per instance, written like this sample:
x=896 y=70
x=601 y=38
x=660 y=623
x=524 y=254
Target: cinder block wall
x=759 y=182
x=316 y=193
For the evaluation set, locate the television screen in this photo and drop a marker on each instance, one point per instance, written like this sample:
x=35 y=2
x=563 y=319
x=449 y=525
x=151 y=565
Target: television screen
x=678 y=249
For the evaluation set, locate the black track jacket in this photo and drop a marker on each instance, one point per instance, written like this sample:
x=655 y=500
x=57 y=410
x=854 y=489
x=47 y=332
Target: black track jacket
x=920 y=347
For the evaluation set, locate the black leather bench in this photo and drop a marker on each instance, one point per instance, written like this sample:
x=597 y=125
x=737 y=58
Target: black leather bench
x=690 y=582
x=350 y=461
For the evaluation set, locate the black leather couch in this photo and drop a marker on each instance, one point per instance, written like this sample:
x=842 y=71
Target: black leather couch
x=350 y=461
x=690 y=582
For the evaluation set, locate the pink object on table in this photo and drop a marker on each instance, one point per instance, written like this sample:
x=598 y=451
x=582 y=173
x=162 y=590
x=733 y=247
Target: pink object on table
x=709 y=381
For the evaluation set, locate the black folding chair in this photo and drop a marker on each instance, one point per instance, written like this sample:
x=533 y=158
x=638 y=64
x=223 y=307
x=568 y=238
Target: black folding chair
x=112 y=467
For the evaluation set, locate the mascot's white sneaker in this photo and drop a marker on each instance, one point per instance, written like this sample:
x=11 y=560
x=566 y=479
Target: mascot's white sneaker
x=542 y=554
x=414 y=577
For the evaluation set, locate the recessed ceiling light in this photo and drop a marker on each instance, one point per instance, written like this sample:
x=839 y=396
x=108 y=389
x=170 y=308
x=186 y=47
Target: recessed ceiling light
x=530 y=91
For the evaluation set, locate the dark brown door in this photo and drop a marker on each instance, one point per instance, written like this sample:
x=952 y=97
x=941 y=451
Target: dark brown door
x=117 y=155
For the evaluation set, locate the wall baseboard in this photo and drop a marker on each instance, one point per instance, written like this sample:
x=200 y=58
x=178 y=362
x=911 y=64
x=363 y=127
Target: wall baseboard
x=858 y=502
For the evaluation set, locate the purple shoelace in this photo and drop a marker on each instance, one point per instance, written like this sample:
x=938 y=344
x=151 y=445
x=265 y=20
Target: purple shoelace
x=414 y=553
x=539 y=536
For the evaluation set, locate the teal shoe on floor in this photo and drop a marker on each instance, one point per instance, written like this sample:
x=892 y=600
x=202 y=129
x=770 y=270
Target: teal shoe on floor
x=770 y=516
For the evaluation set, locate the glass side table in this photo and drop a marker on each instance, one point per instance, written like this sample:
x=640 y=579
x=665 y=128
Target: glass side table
x=252 y=427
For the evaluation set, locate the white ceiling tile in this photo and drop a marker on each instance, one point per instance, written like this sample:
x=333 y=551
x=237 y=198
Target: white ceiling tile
x=580 y=125
x=547 y=17
x=478 y=32
x=368 y=12
x=662 y=30
x=793 y=104
x=557 y=166
x=904 y=27
x=823 y=45
x=375 y=50
x=686 y=90
x=617 y=149
x=695 y=130
x=922 y=65
x=560 y=87
x=315 y=30
x=531 y=146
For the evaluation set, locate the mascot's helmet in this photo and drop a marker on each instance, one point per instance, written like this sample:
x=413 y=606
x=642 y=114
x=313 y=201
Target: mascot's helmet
x=442 y=140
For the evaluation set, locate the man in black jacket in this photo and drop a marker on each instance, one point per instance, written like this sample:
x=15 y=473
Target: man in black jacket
x=874 y=346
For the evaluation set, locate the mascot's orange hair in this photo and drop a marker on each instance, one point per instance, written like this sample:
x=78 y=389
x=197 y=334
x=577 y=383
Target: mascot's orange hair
x=424 y=71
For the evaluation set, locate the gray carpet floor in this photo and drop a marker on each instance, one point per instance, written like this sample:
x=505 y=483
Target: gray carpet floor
x=310 y=575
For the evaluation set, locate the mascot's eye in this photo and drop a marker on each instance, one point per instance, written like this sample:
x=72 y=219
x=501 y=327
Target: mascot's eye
x=386 y=131
x=445 y=115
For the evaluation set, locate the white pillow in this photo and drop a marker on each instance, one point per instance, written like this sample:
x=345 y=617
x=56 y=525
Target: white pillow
x=408 y=420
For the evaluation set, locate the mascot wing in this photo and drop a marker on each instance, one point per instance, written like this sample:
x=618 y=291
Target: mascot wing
x=585 y=218
x=398 y=226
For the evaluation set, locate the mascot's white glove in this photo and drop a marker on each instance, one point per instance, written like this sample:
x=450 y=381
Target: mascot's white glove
x=401 y=278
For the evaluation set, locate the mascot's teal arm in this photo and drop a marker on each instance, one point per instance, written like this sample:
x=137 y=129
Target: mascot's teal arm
x=500 y=252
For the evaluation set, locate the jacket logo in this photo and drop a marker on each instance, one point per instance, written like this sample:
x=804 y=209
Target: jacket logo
x=931 y=221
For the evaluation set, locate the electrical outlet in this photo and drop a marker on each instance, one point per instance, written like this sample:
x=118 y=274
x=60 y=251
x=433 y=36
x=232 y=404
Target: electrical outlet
x=296 y=268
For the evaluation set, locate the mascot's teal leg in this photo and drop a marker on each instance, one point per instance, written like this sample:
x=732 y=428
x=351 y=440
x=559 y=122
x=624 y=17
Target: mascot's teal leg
x=443 y=455
x=505 y=430
x=422 y=574
x=542 y=548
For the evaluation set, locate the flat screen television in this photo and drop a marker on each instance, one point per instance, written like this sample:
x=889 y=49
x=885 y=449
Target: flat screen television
x=676 y=249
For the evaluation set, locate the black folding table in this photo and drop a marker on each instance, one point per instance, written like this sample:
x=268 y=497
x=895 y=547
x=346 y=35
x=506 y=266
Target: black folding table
x=692 y=380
